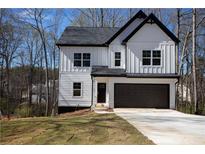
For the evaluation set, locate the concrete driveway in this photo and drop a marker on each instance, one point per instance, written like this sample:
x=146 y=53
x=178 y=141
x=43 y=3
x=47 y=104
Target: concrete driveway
x=166 y=126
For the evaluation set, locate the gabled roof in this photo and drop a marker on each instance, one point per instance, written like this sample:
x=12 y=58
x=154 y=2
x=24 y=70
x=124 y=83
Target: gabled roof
x=103 y=36
x=153 y=19
x=139 y=14
x=86 y=36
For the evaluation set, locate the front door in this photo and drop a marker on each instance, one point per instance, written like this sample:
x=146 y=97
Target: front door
x=101 y=92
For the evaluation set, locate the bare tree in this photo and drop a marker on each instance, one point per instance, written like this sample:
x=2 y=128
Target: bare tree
x=194 y=60
x=10 y=40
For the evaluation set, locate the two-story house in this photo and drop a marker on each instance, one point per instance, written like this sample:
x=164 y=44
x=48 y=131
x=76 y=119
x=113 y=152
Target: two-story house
x=129 y=67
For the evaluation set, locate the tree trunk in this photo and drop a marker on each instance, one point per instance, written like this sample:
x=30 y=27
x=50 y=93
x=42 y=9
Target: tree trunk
x=8 y=88
x=102 y=17
x=178 y=29
x=194 y=61
x=53 y=112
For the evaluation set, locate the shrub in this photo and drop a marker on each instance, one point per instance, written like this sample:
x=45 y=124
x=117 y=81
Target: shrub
x=24 y=110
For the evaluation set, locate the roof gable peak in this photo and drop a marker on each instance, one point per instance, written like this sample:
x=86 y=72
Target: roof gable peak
x=140 y=14
x=152 y=19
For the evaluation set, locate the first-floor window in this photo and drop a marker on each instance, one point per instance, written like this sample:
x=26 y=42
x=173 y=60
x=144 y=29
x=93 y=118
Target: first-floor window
x=77 y=89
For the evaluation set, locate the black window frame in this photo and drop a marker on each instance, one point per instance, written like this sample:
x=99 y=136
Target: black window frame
x=83 y=60
x=77 y=87
x=145 y=57
x=156 y=58
x=153 y=58
x=86 y=59
x=77 y=60
x=117 y=59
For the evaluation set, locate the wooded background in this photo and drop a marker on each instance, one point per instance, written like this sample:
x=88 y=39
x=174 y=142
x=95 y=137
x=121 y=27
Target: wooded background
x=29 y=58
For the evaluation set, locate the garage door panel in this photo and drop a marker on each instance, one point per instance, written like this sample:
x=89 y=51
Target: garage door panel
x=141 y=95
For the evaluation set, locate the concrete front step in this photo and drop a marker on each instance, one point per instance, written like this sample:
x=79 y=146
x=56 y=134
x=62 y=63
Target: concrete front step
x=99 y=105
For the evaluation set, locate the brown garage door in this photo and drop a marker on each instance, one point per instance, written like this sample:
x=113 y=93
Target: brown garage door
x=141 y=95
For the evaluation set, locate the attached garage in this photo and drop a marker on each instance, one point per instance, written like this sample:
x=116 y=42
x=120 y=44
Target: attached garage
x=141 y=95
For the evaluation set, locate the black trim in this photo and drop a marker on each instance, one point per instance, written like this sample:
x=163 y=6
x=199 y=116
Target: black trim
x=130 y=75
x=83 y=45
x=66 y=109
x=153 y=19
x=137 y=75
x=139 y=14
x=108 y=75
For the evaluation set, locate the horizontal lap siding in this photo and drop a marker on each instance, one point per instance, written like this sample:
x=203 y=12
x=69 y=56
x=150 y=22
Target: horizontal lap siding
x=66 y=89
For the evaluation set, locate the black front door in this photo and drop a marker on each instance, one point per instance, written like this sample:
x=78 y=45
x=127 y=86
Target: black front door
x=101 y=92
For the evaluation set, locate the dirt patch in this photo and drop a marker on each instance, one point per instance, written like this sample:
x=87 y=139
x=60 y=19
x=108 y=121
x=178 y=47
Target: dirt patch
x=77 y=113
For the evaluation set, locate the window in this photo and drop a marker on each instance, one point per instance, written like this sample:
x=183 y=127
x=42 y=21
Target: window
x=82 y=59
x=117 y=58
x=156 y=57
x=151 y=57
x=77 y=59
x=146 y=57
x=76 y=89
x=86 y=59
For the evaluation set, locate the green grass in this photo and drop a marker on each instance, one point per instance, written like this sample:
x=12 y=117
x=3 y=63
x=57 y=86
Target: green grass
x=90 y=128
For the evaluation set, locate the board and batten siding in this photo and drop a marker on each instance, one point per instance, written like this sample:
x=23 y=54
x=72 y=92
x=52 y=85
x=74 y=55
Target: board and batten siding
x=116 y=46
x=99 y=56
x=150 y=37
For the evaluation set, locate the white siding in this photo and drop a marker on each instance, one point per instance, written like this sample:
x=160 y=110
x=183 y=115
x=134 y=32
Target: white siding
x=116 y=46
x=66 y=97
x=99 y=56
x=150 y=37
x=112 y=50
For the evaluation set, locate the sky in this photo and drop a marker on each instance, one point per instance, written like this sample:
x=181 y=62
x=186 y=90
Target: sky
x=69 y=14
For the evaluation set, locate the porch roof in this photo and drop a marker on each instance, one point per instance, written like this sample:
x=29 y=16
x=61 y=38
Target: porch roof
x=104 y=71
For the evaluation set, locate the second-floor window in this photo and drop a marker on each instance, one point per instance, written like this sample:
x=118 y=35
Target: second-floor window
x=86 y=59
x=146 y=57
x=117 y=58
x=151 y=57
x=82 y=59
x=77 y=59
x=156 y=57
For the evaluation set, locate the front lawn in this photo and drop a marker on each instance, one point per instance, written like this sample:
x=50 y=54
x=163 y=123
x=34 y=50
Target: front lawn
x=90 y=128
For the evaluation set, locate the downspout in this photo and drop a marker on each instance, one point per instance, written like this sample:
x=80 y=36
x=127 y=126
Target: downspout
x=91 y=93
x=126 y=57
x=59 y=68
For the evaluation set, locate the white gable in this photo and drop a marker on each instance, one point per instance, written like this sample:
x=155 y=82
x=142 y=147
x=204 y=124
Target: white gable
x=150 y=33
x=127 y=31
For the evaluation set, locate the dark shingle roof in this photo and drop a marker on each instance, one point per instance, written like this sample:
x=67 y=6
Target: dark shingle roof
x=92 y=36
x=105 y=71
